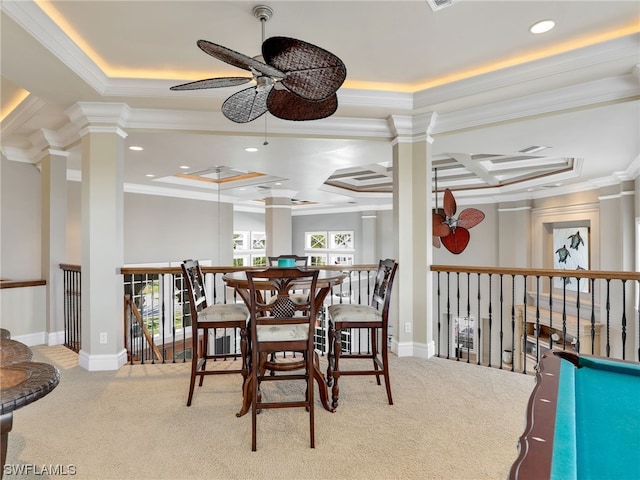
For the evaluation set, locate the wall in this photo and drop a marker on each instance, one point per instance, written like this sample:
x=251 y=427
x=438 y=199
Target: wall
x=163 y=229
x=482 y=249
x=74 y=224
x=248 y=222
x=20 y=228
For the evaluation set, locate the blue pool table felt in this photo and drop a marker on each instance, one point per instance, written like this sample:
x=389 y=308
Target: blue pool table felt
x=597 y=434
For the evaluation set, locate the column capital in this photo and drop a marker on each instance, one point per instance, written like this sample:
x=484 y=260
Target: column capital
x=272 y=196
x=95 y=117
x=410 y=129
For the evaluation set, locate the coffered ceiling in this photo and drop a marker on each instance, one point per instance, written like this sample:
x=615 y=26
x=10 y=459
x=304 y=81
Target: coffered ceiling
x=509 y=114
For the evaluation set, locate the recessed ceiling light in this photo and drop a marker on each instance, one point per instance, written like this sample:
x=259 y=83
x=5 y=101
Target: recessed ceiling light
x=150 y=175
x=136 y=148
x=184 y=167
x=542 y=26
x=251 y=149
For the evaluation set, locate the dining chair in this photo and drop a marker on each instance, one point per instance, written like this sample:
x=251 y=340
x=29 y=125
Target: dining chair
x=298 y=261
x=372 y=319
x=281 y=325
x=215 y=317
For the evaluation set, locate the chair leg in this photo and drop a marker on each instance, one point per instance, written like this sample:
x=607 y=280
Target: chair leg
x=330 y=355
x=194 y=370
x=374 y=351
x=254 y=401
x=312 y=433
x=385 y=366
x=337 y=349
x=205 y=350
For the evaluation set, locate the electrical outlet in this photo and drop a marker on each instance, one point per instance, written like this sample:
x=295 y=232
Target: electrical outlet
x=407 y=327
x=103 y=337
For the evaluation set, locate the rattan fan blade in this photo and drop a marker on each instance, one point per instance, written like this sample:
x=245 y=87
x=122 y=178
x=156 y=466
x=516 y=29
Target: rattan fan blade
x=246 y=105
x=310 y=71
x=238 y=59
x=289 y=106
x=212 y=83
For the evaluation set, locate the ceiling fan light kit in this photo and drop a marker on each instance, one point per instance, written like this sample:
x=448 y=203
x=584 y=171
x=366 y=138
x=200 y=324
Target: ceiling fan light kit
x=297 y=80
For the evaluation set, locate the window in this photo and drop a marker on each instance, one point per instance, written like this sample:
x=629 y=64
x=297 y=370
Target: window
x=330 y=248
x=249 y=249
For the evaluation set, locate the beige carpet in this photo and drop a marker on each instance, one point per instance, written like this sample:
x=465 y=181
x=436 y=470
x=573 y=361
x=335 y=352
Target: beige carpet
x=450 y=420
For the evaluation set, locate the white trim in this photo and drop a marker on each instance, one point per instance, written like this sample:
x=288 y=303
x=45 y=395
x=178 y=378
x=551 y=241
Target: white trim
x=413 y=349
x=616 y=196
x=515 y=209
x=55 y=338
x=96 y=362
x=31 y=339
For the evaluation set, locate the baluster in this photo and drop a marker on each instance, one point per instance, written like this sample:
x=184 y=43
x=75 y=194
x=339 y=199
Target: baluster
x=194 y=333
x=513 y=321
x=578 y=315
x=479 y=324
x=564 y=313
x=593 y=316
x=490 y=318
x=448 y=316
x=469 y=337
x=458 y=353
x=538 y=318
x=132 y=299
x=624 y=319
x=551 y=305
x=608 y=309
x=524 y=329
x=501 y=301
x=438 y=309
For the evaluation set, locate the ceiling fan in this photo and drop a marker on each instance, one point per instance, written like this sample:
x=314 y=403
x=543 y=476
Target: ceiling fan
x=296 y=80
x=451 y=231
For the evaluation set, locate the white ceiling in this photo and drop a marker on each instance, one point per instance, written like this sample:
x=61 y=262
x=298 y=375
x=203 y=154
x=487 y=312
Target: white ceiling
x=471 y=73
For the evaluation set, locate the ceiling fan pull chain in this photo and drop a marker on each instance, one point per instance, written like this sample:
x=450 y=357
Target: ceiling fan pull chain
x=265 y=130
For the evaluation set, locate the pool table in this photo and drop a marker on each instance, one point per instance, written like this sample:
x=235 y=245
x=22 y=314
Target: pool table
x=583 y=420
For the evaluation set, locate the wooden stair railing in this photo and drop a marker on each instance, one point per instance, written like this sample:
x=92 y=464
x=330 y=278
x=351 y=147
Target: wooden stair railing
x=128 y=305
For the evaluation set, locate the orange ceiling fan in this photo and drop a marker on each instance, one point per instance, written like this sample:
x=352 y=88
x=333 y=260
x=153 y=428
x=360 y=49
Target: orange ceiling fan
x=452 y=232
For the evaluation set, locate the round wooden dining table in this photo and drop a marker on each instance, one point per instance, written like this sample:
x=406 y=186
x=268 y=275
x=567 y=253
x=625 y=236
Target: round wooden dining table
x=327 y=279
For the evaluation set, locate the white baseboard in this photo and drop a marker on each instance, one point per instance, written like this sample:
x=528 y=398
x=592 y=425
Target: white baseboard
x=55 y=338
x=96 y=362
x=412 y=349
x=31 y=339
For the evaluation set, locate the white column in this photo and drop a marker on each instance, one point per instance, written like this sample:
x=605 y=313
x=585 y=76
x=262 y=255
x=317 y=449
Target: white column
x=53 y=170
x=102 y=234
x=368 y=243
x=277 y=221
x=412 y=204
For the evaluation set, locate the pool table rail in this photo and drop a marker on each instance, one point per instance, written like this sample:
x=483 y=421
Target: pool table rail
x=535 y=445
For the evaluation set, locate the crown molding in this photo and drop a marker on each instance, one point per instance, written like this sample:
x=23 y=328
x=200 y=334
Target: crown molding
x=33 y=20
x=575 y=96
x=600 y=54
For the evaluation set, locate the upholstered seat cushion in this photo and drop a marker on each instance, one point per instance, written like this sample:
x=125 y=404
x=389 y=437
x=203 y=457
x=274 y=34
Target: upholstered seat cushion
x=224 y=312
x=279 y=333
x=354 y=313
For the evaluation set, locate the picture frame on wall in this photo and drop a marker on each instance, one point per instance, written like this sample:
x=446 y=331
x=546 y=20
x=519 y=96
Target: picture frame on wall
x=571 y=252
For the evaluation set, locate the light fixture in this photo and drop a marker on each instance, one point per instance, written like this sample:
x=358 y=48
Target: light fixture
x=307 y=78
x=150 y=175
x=251 y=149
x=184 y=167
x=136 y=148
x=542 y=26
